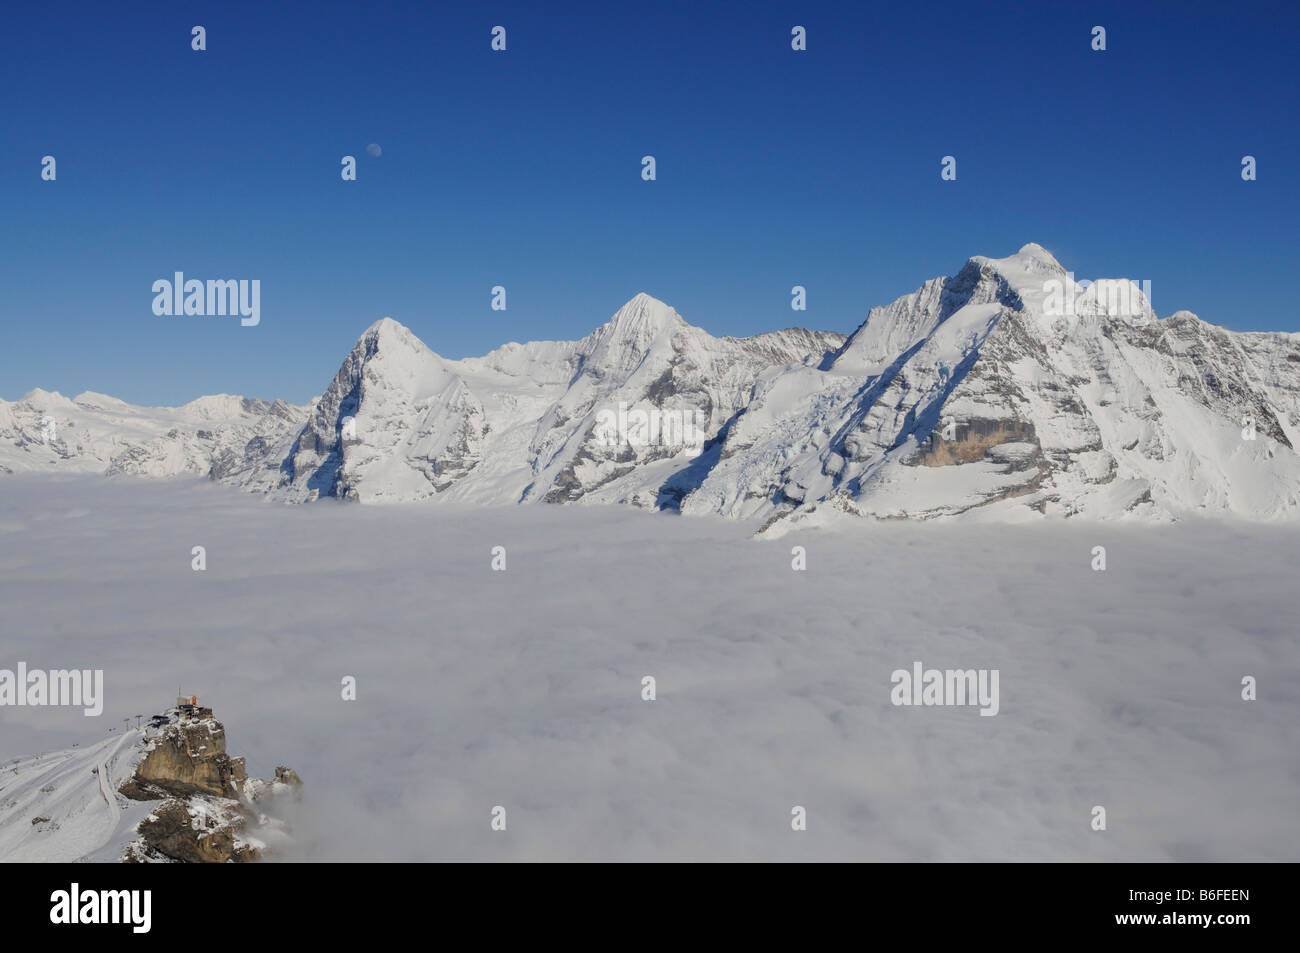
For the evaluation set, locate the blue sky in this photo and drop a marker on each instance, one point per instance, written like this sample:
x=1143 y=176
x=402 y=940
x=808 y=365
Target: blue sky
x=522 y=169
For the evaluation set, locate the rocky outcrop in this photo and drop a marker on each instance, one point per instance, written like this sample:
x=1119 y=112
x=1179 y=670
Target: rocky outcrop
x=211 y=811
x=201 y=830
x=186 y=758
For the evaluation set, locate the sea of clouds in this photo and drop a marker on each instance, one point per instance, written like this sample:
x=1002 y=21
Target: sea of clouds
x=522 y=688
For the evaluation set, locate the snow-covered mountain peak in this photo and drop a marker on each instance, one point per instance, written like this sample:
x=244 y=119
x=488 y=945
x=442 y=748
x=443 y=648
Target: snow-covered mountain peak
x=1036 y=252
x=386 y=324
x=95 y=401
x=621 y=343
x=1007 y=385
x=214 y=406
x=990 y=284
x=1031 y=259
x=644 y=310
x=640 y=321
x=39 y=399
x=388 y=355
x=1010 y=385
x=388 y=334
x=1025 y=272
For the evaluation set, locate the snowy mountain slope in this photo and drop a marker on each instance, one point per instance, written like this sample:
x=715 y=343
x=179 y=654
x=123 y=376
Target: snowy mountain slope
x=972 y=392
x=94 y=433
x=64 y=806
x=977 y=393
x=399 y=423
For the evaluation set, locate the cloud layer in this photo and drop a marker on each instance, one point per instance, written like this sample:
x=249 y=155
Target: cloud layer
x=523 y=688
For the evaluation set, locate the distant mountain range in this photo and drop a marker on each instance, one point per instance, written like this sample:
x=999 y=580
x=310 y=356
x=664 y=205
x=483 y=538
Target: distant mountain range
x=978 y=393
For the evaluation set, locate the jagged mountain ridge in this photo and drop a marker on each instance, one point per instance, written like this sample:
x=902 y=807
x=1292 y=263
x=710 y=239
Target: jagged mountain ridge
x=519 y=424
x=973 y=394
x=1104 y=411
x=95 y=433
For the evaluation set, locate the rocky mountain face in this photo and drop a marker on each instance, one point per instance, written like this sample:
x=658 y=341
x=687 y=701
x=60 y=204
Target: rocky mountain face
x=1006 y=389
x=210 y=810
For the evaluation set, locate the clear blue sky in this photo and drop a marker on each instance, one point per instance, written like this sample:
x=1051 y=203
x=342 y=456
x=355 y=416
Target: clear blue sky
x=522 y=169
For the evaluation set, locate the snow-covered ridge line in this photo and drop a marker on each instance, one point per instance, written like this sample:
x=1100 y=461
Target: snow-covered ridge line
x=977 y=393
x=94 y=433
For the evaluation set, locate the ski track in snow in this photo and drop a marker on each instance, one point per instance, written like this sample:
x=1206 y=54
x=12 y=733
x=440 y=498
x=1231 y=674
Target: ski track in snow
x=108 y=788
x=82 y=806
